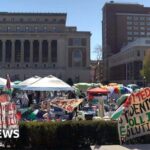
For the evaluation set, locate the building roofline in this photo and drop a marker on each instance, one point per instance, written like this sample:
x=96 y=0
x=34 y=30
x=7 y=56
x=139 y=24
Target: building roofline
x=122 y=3
x=33 y=13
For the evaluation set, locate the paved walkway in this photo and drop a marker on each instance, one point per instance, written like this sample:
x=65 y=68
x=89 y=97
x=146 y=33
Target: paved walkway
x=122 y=147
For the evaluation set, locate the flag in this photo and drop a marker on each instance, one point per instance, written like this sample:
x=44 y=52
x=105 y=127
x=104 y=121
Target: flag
x=118 y=112
x=7 y=88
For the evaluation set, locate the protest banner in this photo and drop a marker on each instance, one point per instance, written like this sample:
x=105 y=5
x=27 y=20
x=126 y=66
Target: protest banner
x=8 y=119
x=66 y=104
x=134 y=120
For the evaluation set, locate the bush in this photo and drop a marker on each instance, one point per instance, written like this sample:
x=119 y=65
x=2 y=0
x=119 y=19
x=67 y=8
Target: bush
x=68 y=135
x=64 y=135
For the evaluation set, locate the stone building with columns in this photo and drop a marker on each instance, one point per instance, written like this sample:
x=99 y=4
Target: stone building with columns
x=42 y=44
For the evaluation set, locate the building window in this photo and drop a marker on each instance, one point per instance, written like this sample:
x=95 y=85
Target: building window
x=35 y=65
x=18 y=28
x=148 y=23
x=142 y=18
x=129 y=38
x=138 y=53
x=70 y=41
x=4 y=19
x=8 y=52
x=77 y=58
x=83 y=42
x=136 y=18
x=129 y=17
x=136 y=23
x=136 y=33
x=62 y=21
x=54 y=29
x=12 y=19
x=147 y=41
x=148 y=18
x=44 y=51
x=54 y=21
x=17 y=51
x=54 y=50
x=135 y=28
x=35 y=51
x=44 y=65
x=26 y=51
x=129 y=27
x=21 y=19
x=45 y=28
x=142 y=28
x=17 y=65
x=27 y=28
x=129 y=33
x=35 y=28
x=8 y=28
x=129 y=23
x=142 y=33
x=77 y=41
x=46 y=20
x=37 y=20
x=142 y=23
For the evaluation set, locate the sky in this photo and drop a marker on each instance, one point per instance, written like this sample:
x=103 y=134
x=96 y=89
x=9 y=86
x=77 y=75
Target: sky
x=86 y=15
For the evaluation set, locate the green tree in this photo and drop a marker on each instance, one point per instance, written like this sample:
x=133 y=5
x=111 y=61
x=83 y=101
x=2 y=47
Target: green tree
x=145 y=72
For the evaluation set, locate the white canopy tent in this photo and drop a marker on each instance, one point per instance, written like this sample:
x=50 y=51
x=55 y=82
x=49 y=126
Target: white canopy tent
x=28 y=82
x=49 y=83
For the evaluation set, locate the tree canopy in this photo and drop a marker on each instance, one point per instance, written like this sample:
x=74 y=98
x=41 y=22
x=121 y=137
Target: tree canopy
x=145 y=72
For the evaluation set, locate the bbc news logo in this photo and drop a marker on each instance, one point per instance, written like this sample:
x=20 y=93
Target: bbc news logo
x=9 y=133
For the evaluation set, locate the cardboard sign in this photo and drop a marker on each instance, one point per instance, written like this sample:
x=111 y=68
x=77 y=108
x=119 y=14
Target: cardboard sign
x=135 y=121
x=8 y=119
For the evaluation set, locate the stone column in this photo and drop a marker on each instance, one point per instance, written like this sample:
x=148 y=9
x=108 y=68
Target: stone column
x=31 y=51
x=22 y=51
x=13 y=52
x=3 y=52
x=49 y=52
x=40 y=52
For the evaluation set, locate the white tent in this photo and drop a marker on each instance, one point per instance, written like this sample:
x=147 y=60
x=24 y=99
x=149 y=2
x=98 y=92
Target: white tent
x=3 y=82
x=28 y=82
x=49 y=83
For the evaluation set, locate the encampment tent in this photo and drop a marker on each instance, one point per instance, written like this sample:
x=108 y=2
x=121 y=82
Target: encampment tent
x=28 y=82
x=49 y=83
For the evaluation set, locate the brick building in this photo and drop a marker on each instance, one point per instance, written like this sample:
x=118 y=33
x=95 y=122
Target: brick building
x=122 y=23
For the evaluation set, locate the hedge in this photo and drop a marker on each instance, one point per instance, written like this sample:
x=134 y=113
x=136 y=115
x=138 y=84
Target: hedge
x=68 y=135
x=65 y=135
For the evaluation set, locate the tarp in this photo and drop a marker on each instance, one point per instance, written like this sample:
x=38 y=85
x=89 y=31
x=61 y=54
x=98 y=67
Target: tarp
x=27 y=82
x=49 y=83
x=98 y=91
x=67 y=104
x=84 y=86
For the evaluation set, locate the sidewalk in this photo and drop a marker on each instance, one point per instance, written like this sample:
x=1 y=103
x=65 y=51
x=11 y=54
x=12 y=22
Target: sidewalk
x=122 y=147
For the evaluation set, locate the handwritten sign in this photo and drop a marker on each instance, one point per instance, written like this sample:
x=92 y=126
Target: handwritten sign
x=135 y=121
x=8 y=119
